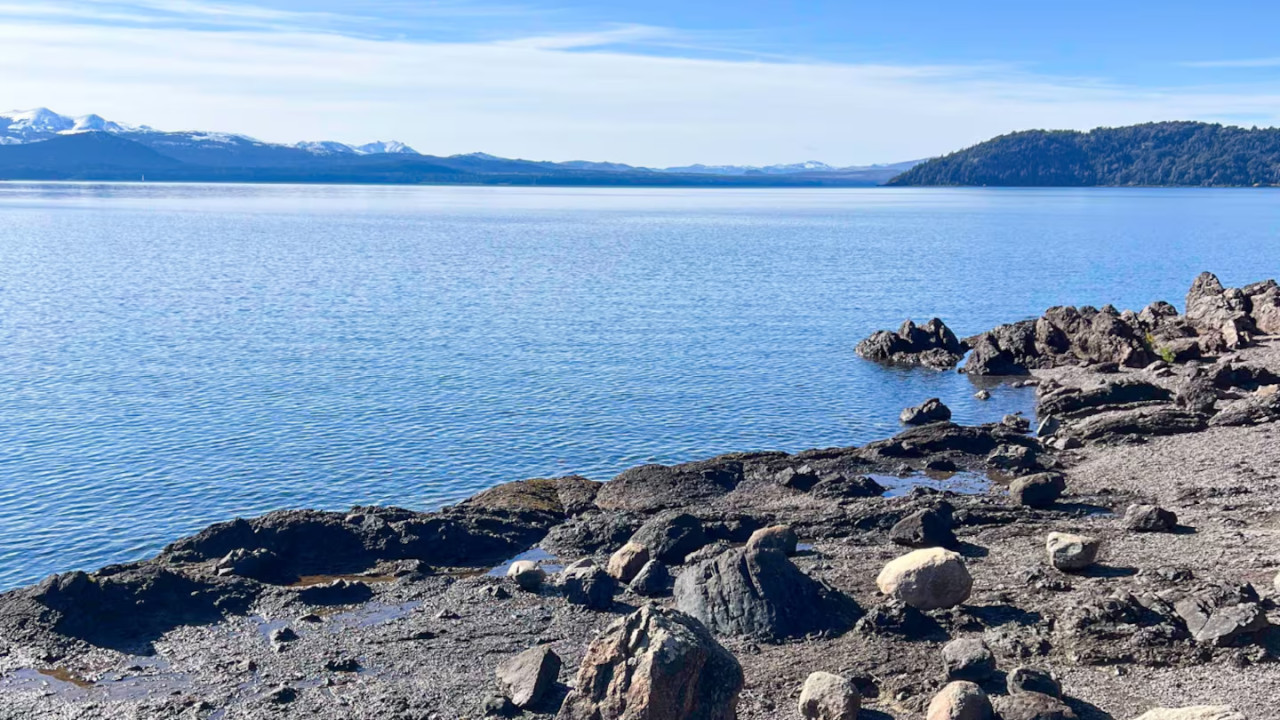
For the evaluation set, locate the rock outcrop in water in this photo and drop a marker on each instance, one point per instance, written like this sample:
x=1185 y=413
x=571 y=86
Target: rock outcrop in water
x=931 y=345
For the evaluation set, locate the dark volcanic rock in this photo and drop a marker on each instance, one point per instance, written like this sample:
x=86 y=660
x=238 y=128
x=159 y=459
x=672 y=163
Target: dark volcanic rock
x=1224 y=311
x=127 y=607
x=653 y=580
x=1149 y=518
x=310 y=542
x=1025 y=679
x=968 y=659
x=1253 y=410
x=932 y=345
x=561 y=497
x=1063 y=336
x=669 y=537
x=760 y=594
x=940 y=438
x=1141 y=421
x=588 y=586
x=655 y=663
x=928 y=527
x=526 y=678
x=1069 y=402
x=649 y=488
x=930 y=411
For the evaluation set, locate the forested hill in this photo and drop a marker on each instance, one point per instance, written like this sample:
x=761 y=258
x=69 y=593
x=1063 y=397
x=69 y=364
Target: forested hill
x=1166 y=153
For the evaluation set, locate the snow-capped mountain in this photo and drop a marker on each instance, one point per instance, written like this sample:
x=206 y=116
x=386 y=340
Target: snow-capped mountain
x=19 y=127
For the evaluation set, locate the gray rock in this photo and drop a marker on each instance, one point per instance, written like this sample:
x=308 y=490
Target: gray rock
x=931 y=345
x=960 y=700
x=1149 y=518
x=759 y=594
x=1220 y=626
x=930 y=411
x=670 y=537
x=829 y=697
x=983 y=395
x=590 y=587
x=653 y=580
x=526 y=678
x=1032 y=706
x=1039 y=491
x=1256 y=409
x=1142 y=421
x=927 y=527
x=1032 y=680
x=968 y=659
x=929 y=579
x=655 y=663
x=1071 y=552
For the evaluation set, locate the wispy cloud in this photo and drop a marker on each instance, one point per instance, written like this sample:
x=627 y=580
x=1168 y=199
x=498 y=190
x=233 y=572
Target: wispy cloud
x=581 y=94
x=1268 y=62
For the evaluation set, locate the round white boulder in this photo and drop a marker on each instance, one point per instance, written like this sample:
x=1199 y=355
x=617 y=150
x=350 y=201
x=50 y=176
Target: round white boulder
x=928 y=579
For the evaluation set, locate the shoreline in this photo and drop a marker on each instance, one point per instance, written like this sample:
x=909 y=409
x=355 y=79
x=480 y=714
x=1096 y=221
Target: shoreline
x=394 y=613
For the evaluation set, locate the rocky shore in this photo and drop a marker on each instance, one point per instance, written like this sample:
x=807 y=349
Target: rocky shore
x=1115 y=558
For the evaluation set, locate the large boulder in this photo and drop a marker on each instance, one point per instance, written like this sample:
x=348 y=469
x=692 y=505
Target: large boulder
x=655 y=663
x=960 y=700
x=526 y=678
x=829 y=697
x=930 y=411
x=1213 y=309
x=928 y=579
x=1062 y=336
x=932 y=345
x=759 y=593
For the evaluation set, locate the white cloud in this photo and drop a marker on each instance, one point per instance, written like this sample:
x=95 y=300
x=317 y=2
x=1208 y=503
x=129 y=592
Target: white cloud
x=545 y=98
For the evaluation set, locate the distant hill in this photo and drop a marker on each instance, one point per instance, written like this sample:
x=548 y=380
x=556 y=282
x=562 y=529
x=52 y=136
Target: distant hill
x=43 y=145
x=1155 y=154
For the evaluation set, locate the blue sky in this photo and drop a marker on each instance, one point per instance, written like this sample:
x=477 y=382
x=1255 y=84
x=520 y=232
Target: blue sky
x=653 y=82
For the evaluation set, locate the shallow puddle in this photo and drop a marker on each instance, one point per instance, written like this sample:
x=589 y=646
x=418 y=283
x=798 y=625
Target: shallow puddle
x=961 y=483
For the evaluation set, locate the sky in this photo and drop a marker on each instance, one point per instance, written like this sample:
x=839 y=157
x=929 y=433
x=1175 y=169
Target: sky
x=647 y=82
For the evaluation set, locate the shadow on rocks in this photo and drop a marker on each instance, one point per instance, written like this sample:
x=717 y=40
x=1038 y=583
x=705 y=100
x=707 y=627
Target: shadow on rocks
x=970 y=550
x=1106 y=571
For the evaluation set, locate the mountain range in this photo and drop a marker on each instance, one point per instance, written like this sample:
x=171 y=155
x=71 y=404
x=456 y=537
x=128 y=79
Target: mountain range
x=43 y=145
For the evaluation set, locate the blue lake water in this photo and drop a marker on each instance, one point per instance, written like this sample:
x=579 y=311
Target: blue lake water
x=172 y=356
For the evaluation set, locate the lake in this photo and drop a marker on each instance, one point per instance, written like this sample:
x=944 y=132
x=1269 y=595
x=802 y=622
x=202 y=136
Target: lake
x=173 y=356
